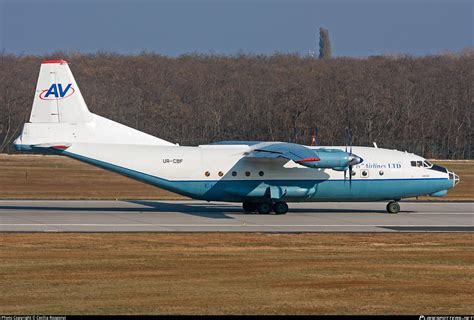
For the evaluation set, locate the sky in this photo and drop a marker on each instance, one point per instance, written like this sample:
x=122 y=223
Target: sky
x=357 y=28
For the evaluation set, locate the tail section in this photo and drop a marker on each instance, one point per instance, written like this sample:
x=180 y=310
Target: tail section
x=60 y=118
x=57 y=97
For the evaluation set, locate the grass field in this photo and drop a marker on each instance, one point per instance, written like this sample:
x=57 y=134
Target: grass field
x=236 y=273
x=465 y=189
x=54 y=177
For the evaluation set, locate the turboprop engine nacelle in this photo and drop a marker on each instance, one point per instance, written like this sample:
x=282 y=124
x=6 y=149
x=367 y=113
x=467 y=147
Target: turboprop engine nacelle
x=331 y=159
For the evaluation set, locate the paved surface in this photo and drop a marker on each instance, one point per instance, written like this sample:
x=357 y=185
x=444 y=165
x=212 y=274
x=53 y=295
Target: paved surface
x=192 y=216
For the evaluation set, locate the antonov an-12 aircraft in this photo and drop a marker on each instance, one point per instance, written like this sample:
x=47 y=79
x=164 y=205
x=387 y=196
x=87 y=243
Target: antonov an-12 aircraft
x=264 y=176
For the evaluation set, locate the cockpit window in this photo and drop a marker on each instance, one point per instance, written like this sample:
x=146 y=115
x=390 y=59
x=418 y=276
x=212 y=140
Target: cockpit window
x=413 y=163
x=419 y=163
x=427 y=164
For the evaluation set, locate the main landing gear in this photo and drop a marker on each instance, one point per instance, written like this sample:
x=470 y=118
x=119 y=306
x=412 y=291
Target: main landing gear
x=279 y=207
x=393 y=207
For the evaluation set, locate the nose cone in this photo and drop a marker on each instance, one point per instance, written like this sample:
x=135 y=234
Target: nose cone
x=454 y=177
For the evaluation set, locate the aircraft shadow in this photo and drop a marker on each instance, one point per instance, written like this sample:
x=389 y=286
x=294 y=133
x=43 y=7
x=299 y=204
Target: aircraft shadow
x=214 y=211
x=325 y=210
x=207 y=210
x=210 y=209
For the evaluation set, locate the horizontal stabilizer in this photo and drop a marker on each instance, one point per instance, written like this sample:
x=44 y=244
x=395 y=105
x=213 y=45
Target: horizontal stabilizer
x=54 y=145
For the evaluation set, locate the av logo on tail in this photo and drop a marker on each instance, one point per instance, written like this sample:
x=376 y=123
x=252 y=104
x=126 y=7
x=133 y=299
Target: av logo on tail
x=56 y=92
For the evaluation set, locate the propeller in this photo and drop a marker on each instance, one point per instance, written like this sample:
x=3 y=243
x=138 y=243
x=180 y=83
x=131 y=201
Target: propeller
x=353 y=159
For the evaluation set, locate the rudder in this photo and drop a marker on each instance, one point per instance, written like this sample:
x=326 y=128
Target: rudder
x=58 y=98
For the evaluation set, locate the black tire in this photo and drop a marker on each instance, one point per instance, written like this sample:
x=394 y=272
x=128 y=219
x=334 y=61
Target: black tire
x=280 y=207
x=264 y=208
x=393 y=207
x=249 y=207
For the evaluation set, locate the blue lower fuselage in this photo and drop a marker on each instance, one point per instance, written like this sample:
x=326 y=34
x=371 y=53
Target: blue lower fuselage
x=290 y=190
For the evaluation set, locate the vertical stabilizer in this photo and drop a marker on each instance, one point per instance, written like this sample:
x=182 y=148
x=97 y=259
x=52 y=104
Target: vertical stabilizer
x=57 y=96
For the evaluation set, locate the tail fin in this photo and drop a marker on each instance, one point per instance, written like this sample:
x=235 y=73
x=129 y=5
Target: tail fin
x=60 y=118
x=57 y=97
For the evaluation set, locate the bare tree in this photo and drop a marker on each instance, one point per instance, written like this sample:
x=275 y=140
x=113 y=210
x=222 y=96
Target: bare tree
x=421 y=105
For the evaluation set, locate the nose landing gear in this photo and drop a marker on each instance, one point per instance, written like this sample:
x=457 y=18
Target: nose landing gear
x=393 y=207
x=279 y=207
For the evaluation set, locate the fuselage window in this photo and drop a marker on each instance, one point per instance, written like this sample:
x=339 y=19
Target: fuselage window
x=220 y=173
x=261 y=173
x=365 y=173
x=247 y=173
x=234 y=173
x=381 y=172
x=353 y=173
x=207 y=173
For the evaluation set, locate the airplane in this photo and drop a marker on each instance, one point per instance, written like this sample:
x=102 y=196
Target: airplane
x=262 y=175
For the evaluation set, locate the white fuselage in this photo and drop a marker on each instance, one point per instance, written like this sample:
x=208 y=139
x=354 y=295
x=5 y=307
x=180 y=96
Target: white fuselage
x=223 y=173
x=61 y=123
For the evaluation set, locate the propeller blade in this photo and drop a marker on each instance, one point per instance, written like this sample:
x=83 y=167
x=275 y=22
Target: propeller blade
x=350 y=176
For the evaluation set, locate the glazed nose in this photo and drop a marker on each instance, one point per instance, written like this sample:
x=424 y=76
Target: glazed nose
x=454 y=177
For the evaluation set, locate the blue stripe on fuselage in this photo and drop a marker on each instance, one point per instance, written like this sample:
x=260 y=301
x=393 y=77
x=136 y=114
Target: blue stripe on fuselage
x=294 y=190
x=324 y=190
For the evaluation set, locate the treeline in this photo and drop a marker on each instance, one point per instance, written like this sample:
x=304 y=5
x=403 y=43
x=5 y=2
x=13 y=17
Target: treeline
x=422 y=105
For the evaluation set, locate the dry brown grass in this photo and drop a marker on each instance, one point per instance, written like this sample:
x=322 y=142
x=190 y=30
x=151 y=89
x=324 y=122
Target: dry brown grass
x=55 y=177
x=236 y=273
x=465 y=169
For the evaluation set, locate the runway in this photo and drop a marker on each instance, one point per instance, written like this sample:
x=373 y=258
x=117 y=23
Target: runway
x=200 y=216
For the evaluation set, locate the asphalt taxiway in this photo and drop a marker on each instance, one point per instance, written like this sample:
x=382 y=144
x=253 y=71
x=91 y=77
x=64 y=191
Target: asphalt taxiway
x=200 y=216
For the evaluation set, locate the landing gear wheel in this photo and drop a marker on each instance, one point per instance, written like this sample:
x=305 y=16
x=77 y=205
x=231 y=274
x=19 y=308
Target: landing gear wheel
x=393 y=207
x=249 y=207
x=280 y=207
x=264 y=208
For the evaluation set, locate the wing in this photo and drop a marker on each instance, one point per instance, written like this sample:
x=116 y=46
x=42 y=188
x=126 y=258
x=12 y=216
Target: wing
x=290 y=151
x=314 y=158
